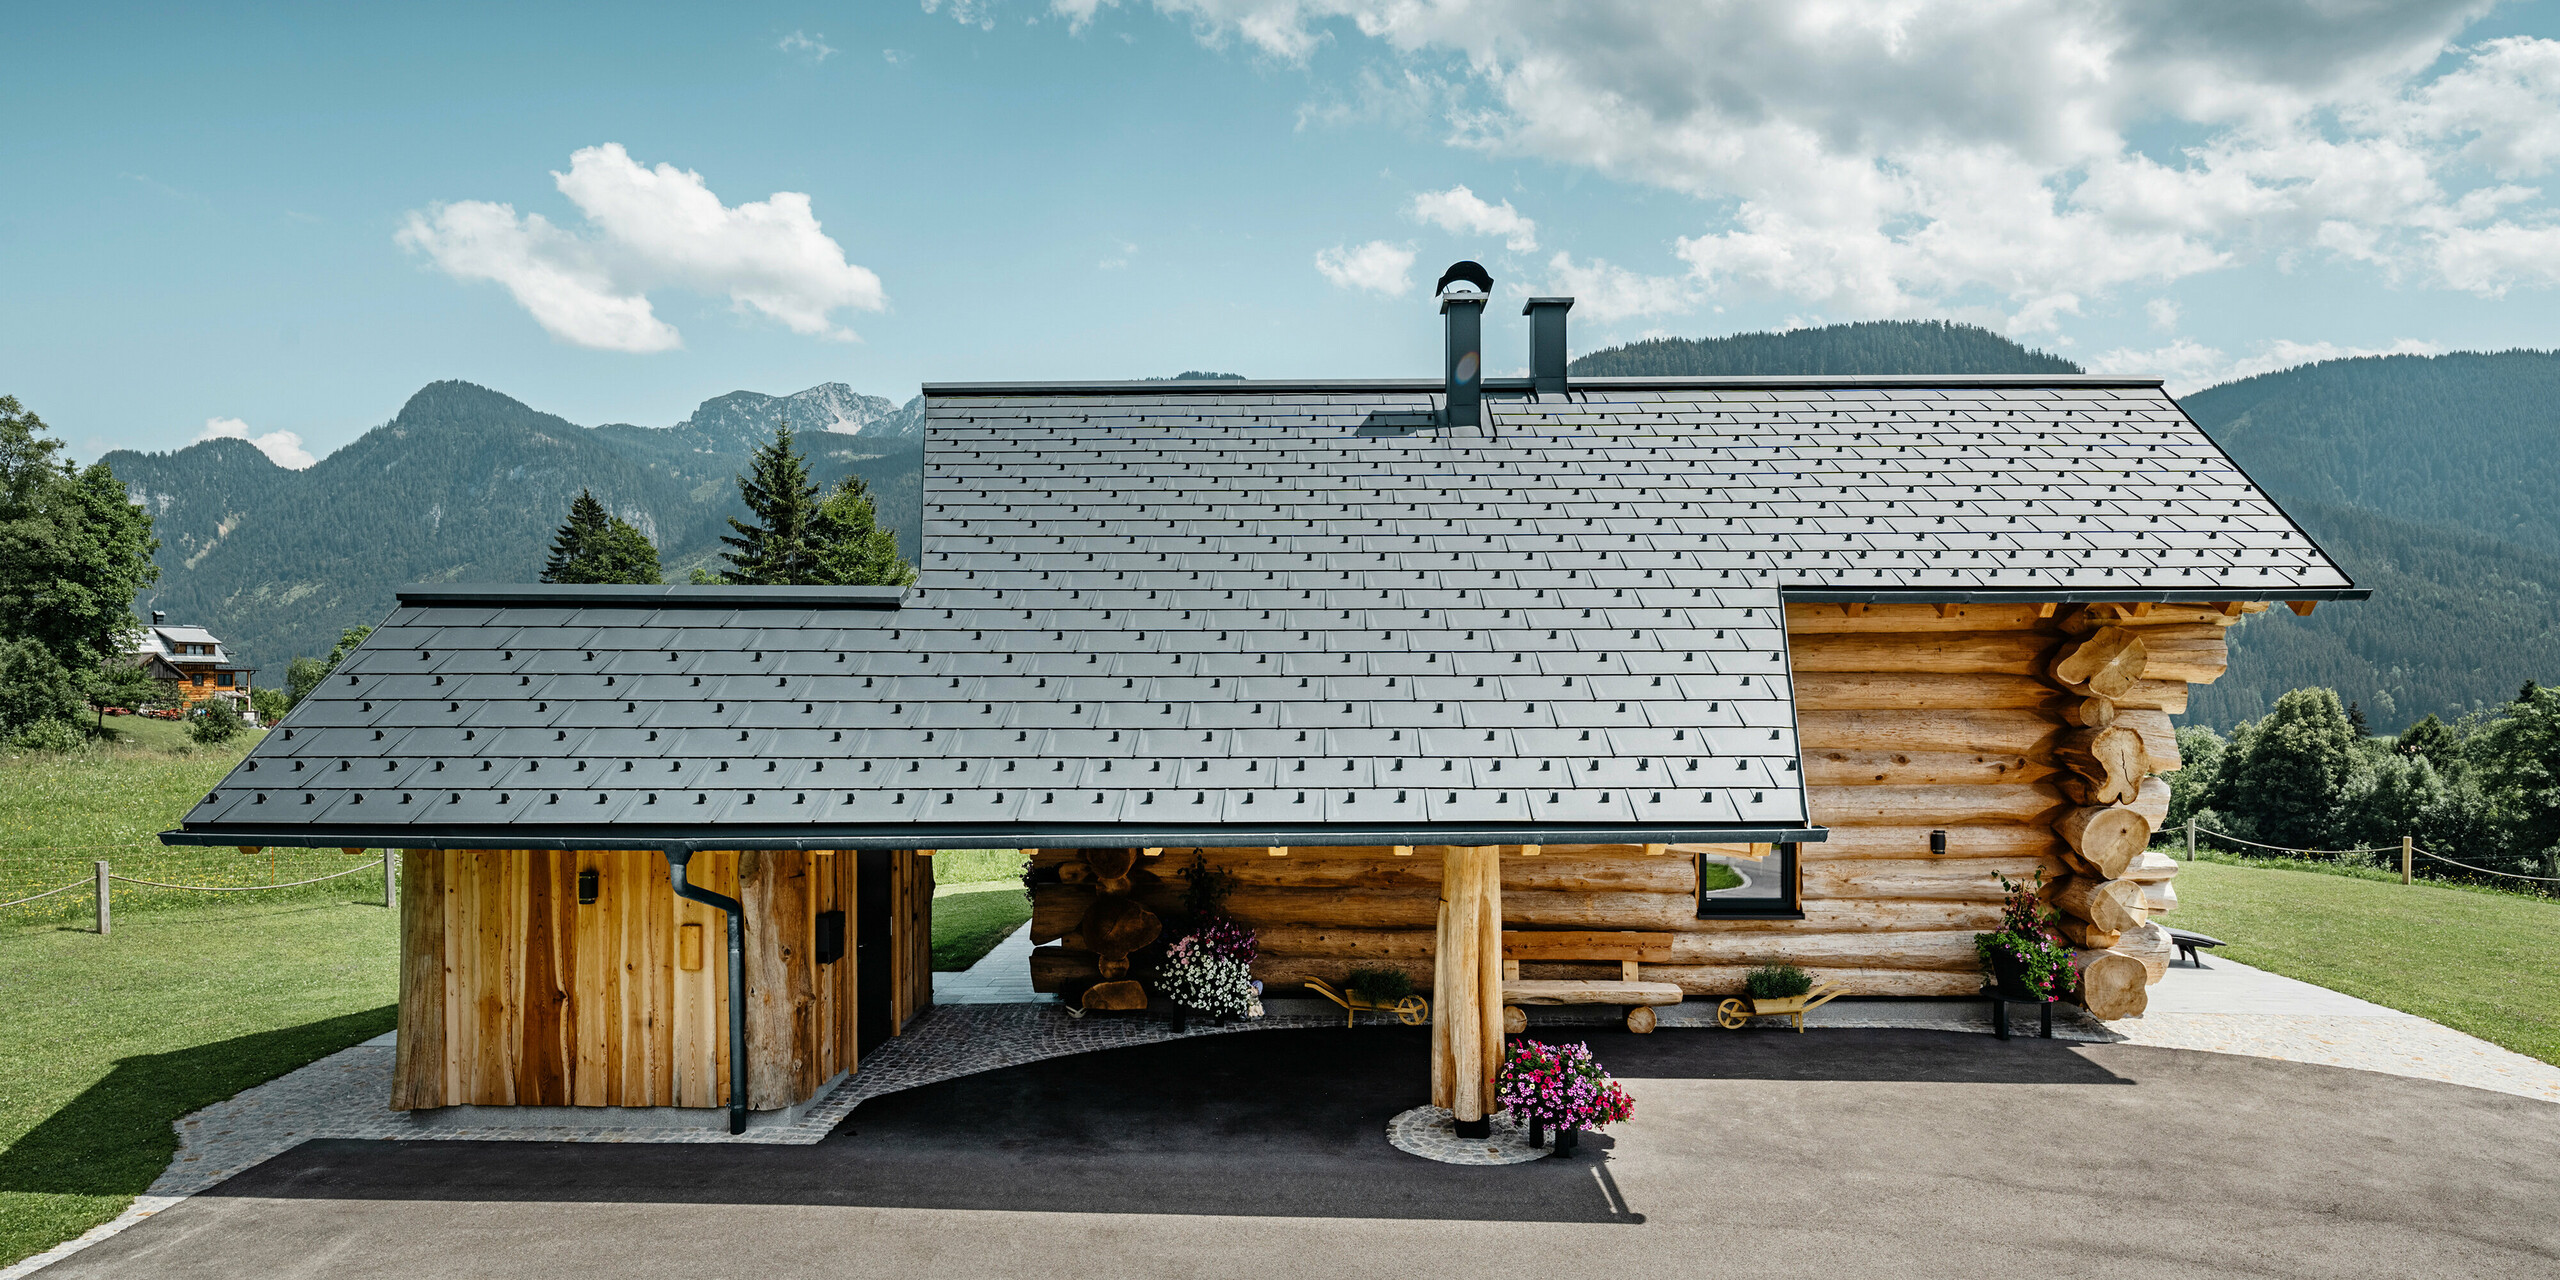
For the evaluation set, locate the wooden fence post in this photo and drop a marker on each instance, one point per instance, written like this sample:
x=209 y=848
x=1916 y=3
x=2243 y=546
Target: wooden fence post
x=105 y=917
x=388 y=871
x=2191 y=838
x=2407 y=843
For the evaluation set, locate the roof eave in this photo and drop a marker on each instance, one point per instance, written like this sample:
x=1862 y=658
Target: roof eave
x=1497 y=386
x=986 y=836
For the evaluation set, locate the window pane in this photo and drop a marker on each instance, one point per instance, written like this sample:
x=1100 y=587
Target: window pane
x=1729 y=884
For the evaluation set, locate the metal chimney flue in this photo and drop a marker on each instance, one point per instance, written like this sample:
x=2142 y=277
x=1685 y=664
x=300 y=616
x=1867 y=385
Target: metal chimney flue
x=1547 y=354
x=1463 y=313
x=158 y=618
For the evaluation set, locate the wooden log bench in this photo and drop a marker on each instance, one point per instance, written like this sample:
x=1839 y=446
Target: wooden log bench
x=1628 y=949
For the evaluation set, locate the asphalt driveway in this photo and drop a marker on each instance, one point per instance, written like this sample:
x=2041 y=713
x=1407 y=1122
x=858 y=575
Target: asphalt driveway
x=1836 y=1153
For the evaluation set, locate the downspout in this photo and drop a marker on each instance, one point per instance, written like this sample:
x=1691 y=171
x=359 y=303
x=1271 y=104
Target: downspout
x=677 y=857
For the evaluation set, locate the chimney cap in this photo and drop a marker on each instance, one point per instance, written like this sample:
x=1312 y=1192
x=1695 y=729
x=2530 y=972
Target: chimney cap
x=1532 y=305
x=1466 y=269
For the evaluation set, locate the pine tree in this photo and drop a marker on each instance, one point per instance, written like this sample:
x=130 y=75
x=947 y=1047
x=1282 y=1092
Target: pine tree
x=586 y=521
x=594 y=547
x=852 y=549
x=2356 y=721
x=2525 y=694
x=777 y=549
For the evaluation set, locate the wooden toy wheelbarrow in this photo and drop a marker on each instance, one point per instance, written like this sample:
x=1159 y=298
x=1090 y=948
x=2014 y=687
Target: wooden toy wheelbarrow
x=1413 y=1011
x=1732 y=1014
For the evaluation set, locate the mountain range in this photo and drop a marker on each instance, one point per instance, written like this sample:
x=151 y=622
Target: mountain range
x=2426 y=476
x=467 y=485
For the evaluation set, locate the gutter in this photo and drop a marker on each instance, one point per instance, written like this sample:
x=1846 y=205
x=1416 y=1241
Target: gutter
x=677 y=856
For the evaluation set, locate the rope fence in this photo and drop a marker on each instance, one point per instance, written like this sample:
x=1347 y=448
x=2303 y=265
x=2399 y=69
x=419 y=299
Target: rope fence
x=2376 y=855
x=166 y=876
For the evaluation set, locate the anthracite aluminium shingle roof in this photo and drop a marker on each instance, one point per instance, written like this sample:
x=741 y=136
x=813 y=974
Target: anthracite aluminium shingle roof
x=1277 y=614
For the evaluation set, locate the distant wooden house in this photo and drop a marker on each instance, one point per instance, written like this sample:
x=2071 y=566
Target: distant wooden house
x=1541 y=690
x=191 y=665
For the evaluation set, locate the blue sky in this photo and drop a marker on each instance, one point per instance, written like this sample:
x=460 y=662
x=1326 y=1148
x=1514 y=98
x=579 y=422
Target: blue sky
x=288 y=222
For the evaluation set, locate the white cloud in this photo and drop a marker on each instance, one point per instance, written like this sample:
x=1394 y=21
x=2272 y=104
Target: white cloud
x=1458 y=209
x=2185 y=365
x=968 y=13
x=282 y=448
x=1941 y=155
x=2163 y=313
x=1377 y=266
x=801 y=44
x=1118 y=259
x=895 y=56
x=1603 y=293
x=647 y=229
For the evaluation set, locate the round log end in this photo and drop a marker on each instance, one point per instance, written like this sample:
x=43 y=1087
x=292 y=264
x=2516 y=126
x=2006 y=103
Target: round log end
x=1121 y=997
x=1514 y=1019
x=1639 y=1019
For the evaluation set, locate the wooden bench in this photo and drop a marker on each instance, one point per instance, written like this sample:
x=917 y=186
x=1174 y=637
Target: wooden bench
x=1628 y=949
x=2188 y=943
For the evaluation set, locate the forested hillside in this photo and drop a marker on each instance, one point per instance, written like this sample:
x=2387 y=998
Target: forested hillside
x=2461 y=441
x=467 y=485
x=2430 y=478
x=1873 y=347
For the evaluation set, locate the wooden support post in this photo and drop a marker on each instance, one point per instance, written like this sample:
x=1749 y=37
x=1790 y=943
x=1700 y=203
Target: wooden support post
x=106 y=919
x=1490 y=1027
x=390 y=874
x=1466 y=1024
x=2302 y=608
x=2408 y=846
x=2191 y=838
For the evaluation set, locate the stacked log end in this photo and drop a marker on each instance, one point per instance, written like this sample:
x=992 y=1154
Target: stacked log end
x=2110 y=762
x=2029 y=734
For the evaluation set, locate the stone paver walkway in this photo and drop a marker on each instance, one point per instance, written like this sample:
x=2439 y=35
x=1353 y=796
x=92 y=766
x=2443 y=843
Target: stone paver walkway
x=1002 y=976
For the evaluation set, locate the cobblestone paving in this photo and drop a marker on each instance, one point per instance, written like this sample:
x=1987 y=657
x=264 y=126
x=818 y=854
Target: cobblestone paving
x=1432 y=1133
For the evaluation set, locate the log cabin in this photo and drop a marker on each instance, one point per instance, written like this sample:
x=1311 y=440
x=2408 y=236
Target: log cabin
x=1539 y=689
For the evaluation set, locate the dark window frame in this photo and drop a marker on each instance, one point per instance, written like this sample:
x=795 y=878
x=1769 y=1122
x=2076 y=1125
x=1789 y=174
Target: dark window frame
x=1790 y=906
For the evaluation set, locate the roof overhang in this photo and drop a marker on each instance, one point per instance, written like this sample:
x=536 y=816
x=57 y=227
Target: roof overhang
x=981 y=837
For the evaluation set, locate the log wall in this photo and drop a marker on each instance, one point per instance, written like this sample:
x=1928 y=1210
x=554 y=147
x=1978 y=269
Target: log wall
x=1911 y=718
x=513 y=993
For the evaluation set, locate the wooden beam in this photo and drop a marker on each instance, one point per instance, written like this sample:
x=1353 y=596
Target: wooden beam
x=1656 y=850
x=1276 y=850
x=2232 y=608
x=1532 y=850
x=1152 y=853
x=1403 y=850
x=2301 y=608
x=1950 y=610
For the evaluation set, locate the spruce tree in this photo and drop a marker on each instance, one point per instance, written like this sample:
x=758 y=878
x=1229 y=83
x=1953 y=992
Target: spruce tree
x=594 y=547
x=586 y=520
x=2357 y=722
x=776 y=550
x=852 y=549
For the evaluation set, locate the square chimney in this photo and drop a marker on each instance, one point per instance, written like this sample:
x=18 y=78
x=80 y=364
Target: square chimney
x=1546 y=344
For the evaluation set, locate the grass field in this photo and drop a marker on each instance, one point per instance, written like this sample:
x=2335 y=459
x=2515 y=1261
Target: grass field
x=2479 y=962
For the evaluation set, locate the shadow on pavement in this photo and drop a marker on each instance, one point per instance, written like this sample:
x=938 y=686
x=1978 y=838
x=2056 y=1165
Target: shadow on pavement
x=1278 y=1123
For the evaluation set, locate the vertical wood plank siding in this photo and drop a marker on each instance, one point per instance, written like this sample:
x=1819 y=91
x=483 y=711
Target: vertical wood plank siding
x=515 y=993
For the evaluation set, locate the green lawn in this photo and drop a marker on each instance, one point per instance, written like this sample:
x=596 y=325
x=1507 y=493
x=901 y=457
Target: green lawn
x=2479 y=962
x=979 y=866
x=966 y=926
x=105 y=1041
